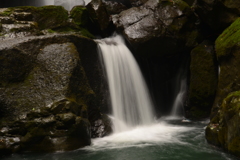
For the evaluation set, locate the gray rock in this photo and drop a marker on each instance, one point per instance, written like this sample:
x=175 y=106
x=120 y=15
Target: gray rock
x=158 y=27
x=45 y=95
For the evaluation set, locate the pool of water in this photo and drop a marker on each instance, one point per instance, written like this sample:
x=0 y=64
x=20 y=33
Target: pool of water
x=164 y=140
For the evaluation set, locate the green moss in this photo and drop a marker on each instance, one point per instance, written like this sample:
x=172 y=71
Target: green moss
x=50 y=31
x=7 y=12
x=228 y=39
x=81 y=31
x=48 y=17
x=86 y=33
x=80 y=15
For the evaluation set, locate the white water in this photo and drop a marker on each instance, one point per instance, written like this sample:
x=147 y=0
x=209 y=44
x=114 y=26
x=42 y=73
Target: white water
x=178 y=105
x=159 y=133
x=129 y=95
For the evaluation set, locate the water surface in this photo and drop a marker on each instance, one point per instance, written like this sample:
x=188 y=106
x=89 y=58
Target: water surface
x=165 y=140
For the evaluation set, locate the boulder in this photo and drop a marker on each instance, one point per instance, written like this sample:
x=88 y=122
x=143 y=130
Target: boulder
x=158 y=27
x=223 y=128
x=218 y=14
x=203 y=80
x=46 y=101
x=227 y=50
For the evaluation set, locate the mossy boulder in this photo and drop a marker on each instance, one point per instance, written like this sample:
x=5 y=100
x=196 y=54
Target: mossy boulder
x=203 y=80
x=80 y=15
x=228 y=55
x=228 y=40
x=223 y=129
x=159 y=27
x=46 y=101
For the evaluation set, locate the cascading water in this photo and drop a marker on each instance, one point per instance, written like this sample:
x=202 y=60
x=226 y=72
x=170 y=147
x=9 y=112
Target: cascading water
x=129 y=95
x=178 y=105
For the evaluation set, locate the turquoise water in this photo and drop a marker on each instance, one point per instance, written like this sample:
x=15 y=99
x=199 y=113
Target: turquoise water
x=171 y=140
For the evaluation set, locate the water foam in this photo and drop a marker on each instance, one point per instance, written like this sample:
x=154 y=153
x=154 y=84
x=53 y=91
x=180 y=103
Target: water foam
x=156 y=134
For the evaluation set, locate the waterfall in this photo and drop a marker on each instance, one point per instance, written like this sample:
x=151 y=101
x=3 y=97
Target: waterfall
x=178 y=105
x=130 y=100
x=181 y=89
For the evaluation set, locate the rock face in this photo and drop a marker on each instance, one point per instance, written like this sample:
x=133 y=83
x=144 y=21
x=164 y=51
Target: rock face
x=223 y=128
x=218 y=14
x=158 y=27
x=45 y=96
x=203 y=80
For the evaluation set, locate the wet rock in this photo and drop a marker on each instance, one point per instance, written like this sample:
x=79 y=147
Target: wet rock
x=203 y=80
x=45 y=96
x=114 y=7
x=158 y=27
x=101 y=127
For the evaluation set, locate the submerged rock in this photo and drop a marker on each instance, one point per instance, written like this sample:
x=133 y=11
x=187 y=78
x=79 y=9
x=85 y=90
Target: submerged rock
x=46 y=101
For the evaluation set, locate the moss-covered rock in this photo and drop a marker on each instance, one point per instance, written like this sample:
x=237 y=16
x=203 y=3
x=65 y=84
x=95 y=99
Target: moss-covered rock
x=47 y=17
x=80 y=15
x=223 y=130
x=228 y=54
x=28 y=20
x=228 y=40
x=203 y=80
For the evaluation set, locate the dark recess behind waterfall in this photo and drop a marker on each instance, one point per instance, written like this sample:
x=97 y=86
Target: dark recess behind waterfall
x=162 y=77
